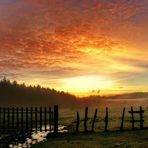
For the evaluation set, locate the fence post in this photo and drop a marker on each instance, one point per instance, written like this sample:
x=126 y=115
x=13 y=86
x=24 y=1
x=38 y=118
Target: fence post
x=106 y=119
x=94 y=119
x=4 y=119
x=17 y=118
x=78 y=122
x=40 y=118
x=31 y=118
x=45 y=119
x=122 y=120
x=26 y=118
x=8 y=118
x=56 y=114
x=0 y=120
x=132 y=118
x=13 y=118
x=22 y=120
x=85 y=119
x=50 y=119
x=141 y=118
x=36 y=119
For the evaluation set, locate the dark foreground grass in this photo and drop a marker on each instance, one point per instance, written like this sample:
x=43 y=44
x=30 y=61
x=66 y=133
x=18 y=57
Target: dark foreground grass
x=126 y=139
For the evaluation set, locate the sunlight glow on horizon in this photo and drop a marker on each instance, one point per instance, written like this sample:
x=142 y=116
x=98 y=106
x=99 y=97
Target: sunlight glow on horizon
x=85 y=83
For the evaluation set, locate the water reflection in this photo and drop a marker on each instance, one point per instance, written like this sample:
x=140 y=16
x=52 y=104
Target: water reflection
x=37 y=137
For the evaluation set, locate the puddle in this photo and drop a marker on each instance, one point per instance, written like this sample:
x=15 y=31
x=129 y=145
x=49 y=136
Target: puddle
x=37 y=137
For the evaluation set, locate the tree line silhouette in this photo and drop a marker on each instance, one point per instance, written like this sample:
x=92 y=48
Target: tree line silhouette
x=14 y=94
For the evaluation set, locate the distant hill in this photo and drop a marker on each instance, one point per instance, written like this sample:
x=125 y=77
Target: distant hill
x=134 y=95
x=129 y=99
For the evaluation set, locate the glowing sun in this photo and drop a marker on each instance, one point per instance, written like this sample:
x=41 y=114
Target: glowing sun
x=86 y=83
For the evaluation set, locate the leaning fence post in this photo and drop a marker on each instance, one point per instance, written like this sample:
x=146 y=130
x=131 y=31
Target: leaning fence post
x=141 y=118
x=106 y=119
x=122 y=120
x=56 y=114
x=86 y=118
x=78 y=122
x=94 y=119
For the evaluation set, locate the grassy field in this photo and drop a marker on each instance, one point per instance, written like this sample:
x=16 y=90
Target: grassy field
x=68 y=118
x=112 y=138
x=127 y=139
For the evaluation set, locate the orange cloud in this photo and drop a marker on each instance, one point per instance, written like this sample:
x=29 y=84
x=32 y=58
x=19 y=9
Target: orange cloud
x=58 y=37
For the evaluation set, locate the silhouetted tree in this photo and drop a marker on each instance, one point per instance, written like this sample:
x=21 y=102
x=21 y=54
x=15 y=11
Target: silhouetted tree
x=12 y=94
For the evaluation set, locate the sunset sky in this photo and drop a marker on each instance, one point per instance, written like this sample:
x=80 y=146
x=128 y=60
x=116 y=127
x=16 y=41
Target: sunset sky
x=79 y=46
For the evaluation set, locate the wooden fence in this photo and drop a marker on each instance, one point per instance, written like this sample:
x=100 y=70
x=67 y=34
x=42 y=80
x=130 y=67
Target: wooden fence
x=47 y=118
x=28 y=119
x=106 y=119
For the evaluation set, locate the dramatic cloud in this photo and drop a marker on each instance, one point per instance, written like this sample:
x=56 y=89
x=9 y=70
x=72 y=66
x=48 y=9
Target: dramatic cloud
x=52 y=40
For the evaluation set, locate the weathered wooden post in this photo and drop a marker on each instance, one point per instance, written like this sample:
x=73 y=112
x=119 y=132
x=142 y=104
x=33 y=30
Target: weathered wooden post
x=56 y=116
x=133 y=127
x=0 y=120
x=40 y=118
x=94 y=119
x=4 y=119
x=8 y=118
x=31 y=118
x=45 y=119
x=13 y=118
x=122 y=119
x=17 y=119
x=36 y=119
x=106 y=119
x=27 y=119
x=78 y=122
x=50 y=119
x=22 y=119
x=85 y=119
x=141 y=118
